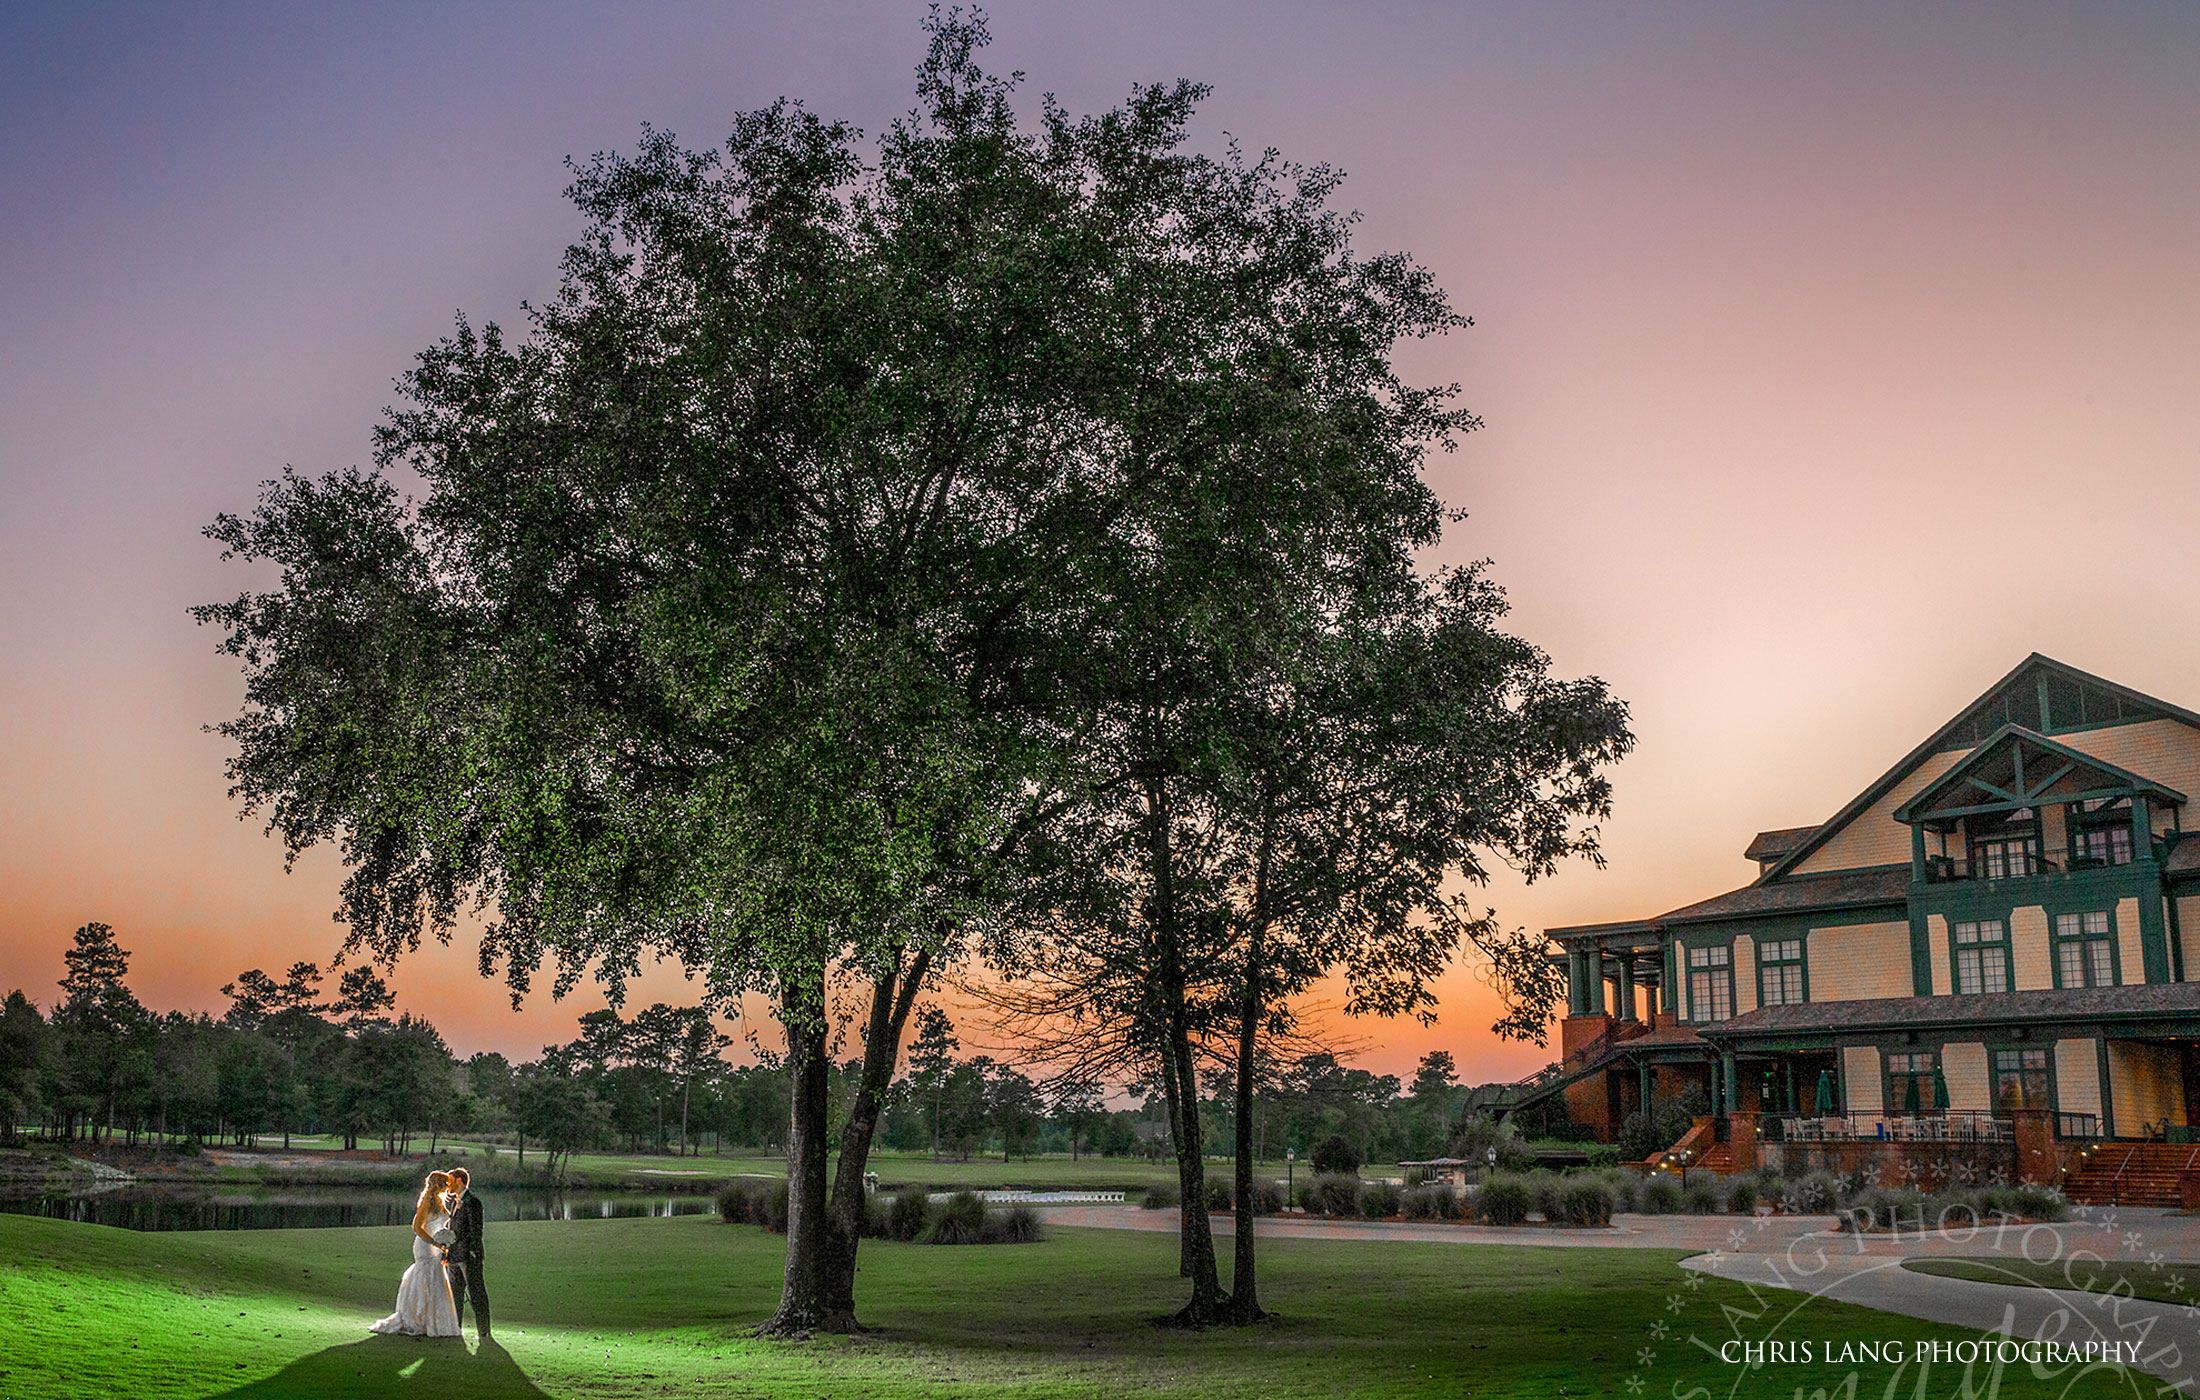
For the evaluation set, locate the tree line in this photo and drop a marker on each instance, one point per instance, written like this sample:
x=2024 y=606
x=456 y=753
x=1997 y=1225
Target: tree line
x=997 y=551
x=292 y=1058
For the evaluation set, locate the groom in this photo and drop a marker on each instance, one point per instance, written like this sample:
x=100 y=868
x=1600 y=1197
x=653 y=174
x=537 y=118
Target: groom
x=463 y=1258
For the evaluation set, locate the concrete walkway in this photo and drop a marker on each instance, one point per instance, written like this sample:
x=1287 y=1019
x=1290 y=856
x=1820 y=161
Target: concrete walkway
x=1805 y=1255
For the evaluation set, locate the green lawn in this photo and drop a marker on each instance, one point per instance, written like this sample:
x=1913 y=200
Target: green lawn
x=1042 y=1172
x=657 y=1307
x=2162 y=1281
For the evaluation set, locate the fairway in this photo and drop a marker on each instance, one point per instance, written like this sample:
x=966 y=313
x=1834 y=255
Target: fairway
x=657 y=1307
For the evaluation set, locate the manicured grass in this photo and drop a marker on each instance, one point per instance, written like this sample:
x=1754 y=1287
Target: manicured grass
x=2163 y=1281
x=657 y=1307
x=1041 y=1172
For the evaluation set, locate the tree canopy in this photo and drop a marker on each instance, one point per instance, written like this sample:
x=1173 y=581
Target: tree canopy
x=1001 y=526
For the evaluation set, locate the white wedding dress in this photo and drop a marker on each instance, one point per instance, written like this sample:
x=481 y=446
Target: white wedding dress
x=424 y=1306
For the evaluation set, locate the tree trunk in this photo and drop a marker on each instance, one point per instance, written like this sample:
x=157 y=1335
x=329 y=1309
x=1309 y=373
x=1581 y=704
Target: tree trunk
x=1244 y=1289
x=1180 y=1080
x=892 y=996
x=1244 y=1286
x=804 y=1306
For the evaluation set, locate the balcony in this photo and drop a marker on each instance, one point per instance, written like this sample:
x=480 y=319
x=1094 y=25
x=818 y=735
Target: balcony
x=1947 y=1125
x=2001 y=865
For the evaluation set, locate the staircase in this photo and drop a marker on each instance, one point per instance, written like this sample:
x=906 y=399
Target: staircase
x=2130 y=1173
x=1507 y=1099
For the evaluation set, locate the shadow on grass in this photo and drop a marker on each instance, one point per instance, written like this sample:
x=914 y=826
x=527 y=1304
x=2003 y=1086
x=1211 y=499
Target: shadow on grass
x=399 y=1366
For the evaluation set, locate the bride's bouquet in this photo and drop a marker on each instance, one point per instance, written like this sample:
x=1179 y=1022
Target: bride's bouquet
x=442 y=1235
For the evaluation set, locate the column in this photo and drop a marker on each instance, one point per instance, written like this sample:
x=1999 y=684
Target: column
x=1626 y=1006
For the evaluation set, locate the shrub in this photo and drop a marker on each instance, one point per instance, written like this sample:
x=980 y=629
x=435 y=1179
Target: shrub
x=1379 y=1200
x=1267 y=1197
x=1603 y=1156
x=1450 y=1204
x=772 y=1204
x=1334 y=1156
x=1810 y=1194
x=1478 y=1133
x=1625 y=1189
x=1416 y=1176
x=910 y=1213
x=1741 y=1195
x=1584 y=1201
x=2042 y=1203
x=1504 y=1199
x=1700 y=1193
x=1661 y=1195
x=1953 y=1209
x=1549 y=1190
x=1019 y=1224
x=1873 y=1208
x=1160 y=1197
x=1419 y=1203
x=734 y=1202
x=961 y=1221
x=1643 y=1134
x=1333 y=1194
x=1219 y=1193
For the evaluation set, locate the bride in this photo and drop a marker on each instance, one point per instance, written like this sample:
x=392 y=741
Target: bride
x=424 y=1306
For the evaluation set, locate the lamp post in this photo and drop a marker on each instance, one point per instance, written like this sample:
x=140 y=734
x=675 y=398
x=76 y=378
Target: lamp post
x=1290 y=1175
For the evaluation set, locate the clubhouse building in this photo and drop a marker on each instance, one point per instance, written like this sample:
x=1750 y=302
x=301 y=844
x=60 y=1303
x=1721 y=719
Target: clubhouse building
x=1995 y=944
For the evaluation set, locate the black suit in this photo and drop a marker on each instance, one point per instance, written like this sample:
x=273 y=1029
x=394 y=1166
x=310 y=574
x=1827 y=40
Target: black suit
x=463 y=1261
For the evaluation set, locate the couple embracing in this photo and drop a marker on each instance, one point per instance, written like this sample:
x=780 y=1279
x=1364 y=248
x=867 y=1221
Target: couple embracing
x=446 y=1267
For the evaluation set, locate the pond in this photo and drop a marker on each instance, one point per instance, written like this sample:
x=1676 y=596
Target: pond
x=186 y=1207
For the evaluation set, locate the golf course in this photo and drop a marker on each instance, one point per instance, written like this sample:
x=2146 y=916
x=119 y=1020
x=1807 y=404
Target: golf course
x=648 y=1307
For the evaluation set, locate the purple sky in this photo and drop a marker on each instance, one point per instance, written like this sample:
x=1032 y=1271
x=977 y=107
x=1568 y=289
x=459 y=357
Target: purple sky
x=1833 y=358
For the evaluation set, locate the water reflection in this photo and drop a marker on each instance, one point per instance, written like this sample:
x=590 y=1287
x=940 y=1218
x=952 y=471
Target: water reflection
x=171 y=1207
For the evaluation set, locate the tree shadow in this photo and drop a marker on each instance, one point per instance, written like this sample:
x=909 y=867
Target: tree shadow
x=405 y=1366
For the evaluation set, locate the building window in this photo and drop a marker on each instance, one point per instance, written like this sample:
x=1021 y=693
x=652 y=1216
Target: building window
x=2100 y=833
x=2020 y=1079
x=1982 y=957
x=1711 y=983
x=2004 y=846
x=1910 y=1087
x=2083 y=956
x=1780 y=972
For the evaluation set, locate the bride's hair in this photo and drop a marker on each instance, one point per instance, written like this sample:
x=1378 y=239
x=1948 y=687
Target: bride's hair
x=434 y=1186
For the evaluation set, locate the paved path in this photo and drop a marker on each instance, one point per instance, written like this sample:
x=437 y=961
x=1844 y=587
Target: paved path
x=2163 y=1338
x=1804 y=1254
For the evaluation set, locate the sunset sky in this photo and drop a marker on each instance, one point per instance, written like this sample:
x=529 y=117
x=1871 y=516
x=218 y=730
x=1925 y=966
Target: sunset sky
x=1832 y=359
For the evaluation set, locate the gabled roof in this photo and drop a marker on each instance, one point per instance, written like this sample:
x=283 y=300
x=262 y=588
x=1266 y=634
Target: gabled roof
x=2038 y=677
x=1841 y=889
x=2023 y=790
x=1771 y=845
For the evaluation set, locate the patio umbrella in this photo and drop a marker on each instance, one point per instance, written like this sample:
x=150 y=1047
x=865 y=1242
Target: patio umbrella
x=1909 y=1093
x=1825 y=1091
x=1940 y=1088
